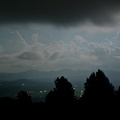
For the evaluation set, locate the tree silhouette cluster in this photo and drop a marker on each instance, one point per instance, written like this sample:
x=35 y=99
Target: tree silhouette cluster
x=98 y=97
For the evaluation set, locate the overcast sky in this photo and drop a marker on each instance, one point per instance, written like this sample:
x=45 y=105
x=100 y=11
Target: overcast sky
x=52 y=35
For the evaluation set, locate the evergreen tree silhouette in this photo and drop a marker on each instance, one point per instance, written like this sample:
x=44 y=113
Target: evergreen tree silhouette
x=98 y=96
x=23 y=104
x=63 y=91
x=23 y=98
x=118 y=97
x=98 y=87
x=118 y=92
x=62 y=96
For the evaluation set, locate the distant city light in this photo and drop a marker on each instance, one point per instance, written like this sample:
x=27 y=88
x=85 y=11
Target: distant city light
x=41 y=91
x=81 y=93
x=30 y=92
x=45 y=91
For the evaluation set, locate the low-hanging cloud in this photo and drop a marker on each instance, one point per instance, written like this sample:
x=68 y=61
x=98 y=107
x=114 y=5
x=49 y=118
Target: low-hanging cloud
x=60 y=12
x=77 y=54
x=29 y=55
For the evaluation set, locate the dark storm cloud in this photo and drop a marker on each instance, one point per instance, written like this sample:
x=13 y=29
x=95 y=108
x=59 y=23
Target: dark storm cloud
x=60 y=12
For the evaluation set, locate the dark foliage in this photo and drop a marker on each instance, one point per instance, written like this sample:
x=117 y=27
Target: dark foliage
x=61 y=98
x=23 y=98
x=63 y=92
x=99 y=95
x=98 y=87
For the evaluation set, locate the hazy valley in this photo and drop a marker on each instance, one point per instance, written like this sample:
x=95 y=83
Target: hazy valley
x=39 y=83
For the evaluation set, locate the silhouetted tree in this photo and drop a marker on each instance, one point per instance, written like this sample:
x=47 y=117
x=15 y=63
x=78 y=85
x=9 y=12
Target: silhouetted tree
x=23 y=98
x=118 y=96
x=61 y=100
x=118 y=92
x=23 y=104
x=62 y=94
x=98 y=87
x=99 y=95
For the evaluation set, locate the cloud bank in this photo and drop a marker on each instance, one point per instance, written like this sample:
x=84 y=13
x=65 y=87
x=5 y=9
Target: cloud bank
x=60 y=12
x=78 y=54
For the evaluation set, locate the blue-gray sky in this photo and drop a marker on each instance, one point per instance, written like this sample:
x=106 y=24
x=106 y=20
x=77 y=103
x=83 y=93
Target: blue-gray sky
x=52 y=35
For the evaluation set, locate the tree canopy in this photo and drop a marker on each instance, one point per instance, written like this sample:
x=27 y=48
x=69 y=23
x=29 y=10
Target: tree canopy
x=63 y=91
x=98 y=86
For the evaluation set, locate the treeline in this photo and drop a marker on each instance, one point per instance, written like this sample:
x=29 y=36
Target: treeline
x=99 y=99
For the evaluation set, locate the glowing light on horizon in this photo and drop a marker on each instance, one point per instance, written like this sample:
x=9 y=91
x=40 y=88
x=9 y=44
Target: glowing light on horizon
x=41 y=91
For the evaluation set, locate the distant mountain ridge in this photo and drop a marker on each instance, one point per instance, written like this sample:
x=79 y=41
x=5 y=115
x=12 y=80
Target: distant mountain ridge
x=42 y=75
x=71 y=75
